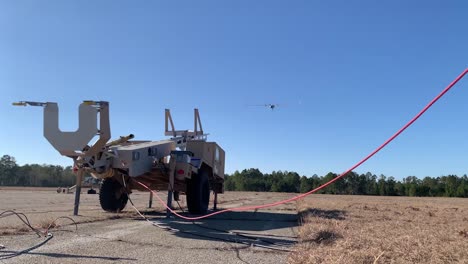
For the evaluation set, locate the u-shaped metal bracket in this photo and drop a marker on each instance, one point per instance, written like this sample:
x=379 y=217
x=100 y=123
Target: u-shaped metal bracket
x=74 y=144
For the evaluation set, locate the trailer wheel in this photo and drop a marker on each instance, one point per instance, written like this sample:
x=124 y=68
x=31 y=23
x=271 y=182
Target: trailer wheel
x=91 y=191
x=112 y=196
x=198 y=193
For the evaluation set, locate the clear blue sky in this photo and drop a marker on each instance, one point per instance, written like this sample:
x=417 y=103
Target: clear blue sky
x=346 y=76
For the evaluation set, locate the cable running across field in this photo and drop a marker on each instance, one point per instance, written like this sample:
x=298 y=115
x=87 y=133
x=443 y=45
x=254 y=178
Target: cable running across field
x=171 y=229
x=245 y=208
x=23 y=219
x=226 y=231
x=16 y=254
x=44 y=233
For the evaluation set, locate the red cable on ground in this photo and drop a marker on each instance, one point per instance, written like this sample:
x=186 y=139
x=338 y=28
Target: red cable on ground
x=254 y=207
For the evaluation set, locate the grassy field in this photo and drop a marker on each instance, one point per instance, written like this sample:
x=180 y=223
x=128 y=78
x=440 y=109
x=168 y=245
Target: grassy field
x=331 y=228
x=367 y=229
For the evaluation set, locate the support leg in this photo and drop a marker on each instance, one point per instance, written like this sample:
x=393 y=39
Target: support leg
x=79 y=179
x=169 y=203
x=170 y=188
x=150 y=202
x=215 y=203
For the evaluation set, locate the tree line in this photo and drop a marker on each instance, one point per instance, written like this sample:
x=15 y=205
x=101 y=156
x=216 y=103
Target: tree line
x=12 y=174
x=352 y=183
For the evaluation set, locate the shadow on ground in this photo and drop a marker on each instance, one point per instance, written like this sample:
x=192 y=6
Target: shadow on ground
x=10 y=254
x=327 y=214
x=261 y=228
x=324 y=237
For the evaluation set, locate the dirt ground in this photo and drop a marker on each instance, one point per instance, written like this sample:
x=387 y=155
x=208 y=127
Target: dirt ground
x=319 y=229
x=125 y=238
x=42 y=205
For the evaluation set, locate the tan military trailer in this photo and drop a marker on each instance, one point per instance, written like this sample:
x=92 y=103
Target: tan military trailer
x=186 y=163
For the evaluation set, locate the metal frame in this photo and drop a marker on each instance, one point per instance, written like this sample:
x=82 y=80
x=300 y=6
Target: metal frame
x=75 y=144
x=95 y=159
x=182 y=136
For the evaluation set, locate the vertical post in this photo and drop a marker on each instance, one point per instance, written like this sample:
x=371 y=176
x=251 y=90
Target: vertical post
x=170 y=188
x=79 y=179
x=150 y=203
x=169 y=203
x=215 y=203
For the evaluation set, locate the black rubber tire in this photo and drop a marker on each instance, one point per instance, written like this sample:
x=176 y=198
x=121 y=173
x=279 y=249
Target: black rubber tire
x=92 y=191
x=198 y=193
x=111 y=196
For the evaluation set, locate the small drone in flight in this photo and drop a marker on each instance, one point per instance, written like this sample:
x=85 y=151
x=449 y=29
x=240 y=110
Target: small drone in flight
x=270 y=106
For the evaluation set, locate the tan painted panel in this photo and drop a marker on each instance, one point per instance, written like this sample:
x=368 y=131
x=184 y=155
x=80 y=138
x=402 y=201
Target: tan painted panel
x=210 y=153
x=69 y=142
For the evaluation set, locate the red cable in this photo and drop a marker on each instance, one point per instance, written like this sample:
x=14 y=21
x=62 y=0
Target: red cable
x=254 y=207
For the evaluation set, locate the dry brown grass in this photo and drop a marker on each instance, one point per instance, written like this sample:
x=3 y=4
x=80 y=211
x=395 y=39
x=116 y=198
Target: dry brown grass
x=48 y=223
x=366 y=229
